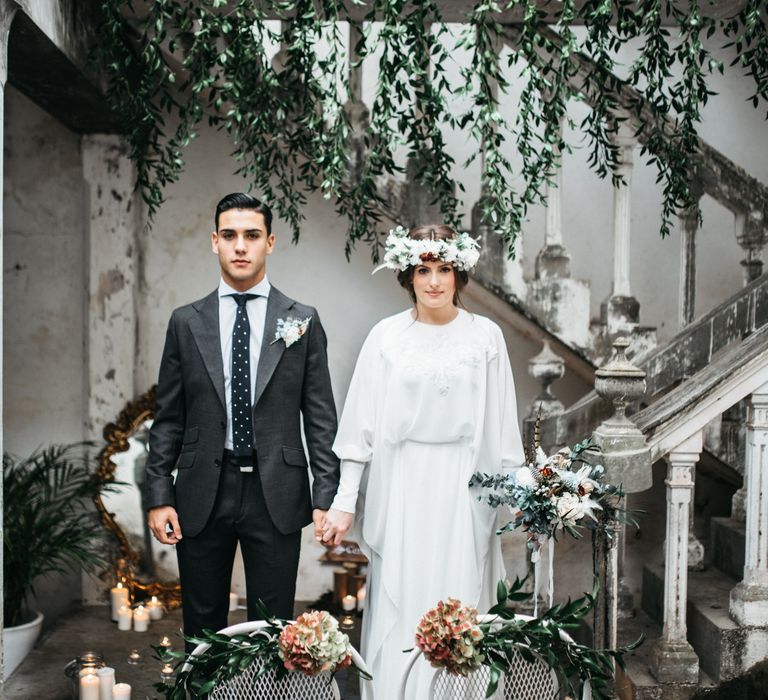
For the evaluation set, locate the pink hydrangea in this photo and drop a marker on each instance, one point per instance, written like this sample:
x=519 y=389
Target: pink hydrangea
x=313 y=644
x=449 y=637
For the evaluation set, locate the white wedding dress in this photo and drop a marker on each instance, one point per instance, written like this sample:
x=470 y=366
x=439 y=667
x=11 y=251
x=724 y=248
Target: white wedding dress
x=428 y=406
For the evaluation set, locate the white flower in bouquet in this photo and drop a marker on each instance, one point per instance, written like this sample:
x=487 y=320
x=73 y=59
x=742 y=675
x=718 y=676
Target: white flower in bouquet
x=524 y=477
x=571 y=507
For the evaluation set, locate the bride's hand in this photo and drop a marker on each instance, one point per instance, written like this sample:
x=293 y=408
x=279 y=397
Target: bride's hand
x=337 y=524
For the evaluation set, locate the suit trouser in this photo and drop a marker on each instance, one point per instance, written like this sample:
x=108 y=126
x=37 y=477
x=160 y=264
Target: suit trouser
x=270 y=558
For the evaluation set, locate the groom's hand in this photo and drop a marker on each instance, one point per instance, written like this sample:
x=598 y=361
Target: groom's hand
x=159 y=519
x=337 y=524
x=318 y=518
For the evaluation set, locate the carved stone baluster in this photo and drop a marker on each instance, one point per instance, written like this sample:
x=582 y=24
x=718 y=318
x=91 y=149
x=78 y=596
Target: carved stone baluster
x=689 y=225
x=751 y=235
x=675 y=661
x=621 y=311
x=561 y=302
x=626 y=458
x=749 y=599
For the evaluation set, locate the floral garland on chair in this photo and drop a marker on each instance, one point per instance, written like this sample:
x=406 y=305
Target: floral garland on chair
x=451 y=637
x=312 y=645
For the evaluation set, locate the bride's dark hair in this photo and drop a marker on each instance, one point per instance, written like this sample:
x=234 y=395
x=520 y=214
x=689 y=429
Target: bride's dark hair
x=433 y=232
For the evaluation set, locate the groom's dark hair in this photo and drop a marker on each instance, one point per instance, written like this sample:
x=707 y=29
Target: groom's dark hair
x=240 y=200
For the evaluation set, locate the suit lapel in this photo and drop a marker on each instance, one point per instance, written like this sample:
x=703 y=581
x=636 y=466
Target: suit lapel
x=205 y=330
x=278 y=306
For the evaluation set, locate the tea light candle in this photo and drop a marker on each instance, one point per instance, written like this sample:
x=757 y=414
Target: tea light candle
x=106 y=676
x=122 y=691
x=118 y=597
x=155 y=608
x=124 y=617
x=361 y=598
x=134 y=657
x=166 y=644
x=166 y=674
x=349 y=603
x=234 y=603
x=89 y=685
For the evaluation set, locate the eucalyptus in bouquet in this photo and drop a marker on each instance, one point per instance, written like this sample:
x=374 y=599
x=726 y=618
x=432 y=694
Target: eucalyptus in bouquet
x=562 y=492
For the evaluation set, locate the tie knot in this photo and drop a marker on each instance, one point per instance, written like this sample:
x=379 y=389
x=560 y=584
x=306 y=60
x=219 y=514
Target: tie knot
x=241 y=299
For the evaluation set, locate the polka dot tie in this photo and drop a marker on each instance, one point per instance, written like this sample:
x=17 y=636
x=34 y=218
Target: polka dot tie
x=242 y=421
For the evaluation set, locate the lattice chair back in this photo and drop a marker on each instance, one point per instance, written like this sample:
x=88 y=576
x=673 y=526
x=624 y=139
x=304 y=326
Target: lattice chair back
x=295 y=686
x=527 y=681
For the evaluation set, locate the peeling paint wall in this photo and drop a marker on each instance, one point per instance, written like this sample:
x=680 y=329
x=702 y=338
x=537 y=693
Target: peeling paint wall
x=44 y=278
x=44 y=295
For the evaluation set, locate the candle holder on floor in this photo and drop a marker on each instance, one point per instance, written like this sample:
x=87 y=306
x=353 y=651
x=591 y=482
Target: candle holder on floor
x=134 y=657
x=347 y=622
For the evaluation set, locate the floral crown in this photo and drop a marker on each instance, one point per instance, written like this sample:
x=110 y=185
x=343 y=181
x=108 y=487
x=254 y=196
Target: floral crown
x=402 y=251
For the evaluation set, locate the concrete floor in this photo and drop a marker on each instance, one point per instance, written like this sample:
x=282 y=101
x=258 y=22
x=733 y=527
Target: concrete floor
x=41 y=675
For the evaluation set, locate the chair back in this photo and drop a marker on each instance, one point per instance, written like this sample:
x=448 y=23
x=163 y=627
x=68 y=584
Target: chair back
x=526 y=681
x=294 y=686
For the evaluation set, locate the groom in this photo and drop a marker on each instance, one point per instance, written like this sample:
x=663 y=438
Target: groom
x=231 y=399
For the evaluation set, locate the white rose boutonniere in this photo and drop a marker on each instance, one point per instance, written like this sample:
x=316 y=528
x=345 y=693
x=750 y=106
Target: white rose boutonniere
x=290 y=330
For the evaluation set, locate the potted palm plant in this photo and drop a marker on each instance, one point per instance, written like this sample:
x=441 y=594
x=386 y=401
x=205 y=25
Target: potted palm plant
x=47 y=528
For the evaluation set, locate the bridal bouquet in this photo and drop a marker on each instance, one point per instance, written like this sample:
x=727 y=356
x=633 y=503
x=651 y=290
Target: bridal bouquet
x=551 y=494
x=449 y=637
x=313 y=644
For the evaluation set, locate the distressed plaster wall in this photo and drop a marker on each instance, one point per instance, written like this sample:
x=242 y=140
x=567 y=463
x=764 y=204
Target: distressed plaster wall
x=44 y=294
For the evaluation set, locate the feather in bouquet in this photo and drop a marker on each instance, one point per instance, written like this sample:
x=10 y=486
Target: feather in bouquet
x=549 y=494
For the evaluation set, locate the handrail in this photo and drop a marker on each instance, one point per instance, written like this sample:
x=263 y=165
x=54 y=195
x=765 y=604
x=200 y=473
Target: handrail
x=688 y=353
x=723 y=383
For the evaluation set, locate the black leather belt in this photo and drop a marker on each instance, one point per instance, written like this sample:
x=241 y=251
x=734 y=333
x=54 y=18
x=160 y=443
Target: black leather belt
x=245 y=463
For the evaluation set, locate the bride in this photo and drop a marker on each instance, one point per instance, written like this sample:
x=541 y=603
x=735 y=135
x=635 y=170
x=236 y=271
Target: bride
x=431 y=401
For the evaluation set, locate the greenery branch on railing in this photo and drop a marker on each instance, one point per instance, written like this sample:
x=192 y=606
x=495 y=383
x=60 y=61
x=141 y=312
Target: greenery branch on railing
x=180 y=64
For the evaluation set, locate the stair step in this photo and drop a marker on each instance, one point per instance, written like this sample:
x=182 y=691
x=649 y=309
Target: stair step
x=727 y=538
x=725 y=649
x=638 y=682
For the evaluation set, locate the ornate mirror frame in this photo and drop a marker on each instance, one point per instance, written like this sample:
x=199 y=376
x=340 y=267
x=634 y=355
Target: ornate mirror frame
x=116 y=436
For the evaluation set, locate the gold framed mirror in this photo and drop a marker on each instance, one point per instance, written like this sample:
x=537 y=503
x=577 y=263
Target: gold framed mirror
x=144 y=566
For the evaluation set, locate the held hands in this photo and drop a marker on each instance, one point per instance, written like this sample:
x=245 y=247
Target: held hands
x=159 y=519
x=333 y=527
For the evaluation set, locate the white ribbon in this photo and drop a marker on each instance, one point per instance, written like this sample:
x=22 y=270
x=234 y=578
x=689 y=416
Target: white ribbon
x=586 y=691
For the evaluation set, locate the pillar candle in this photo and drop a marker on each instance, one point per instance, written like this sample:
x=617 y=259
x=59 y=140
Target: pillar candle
x=124 y=617
x=89 y=686
x=122 y=691
x=155 y=608
x=233 y=602
x=361 y=598
x=349 y=603
x=118 y=597
x=106 y=678
x=140 y=619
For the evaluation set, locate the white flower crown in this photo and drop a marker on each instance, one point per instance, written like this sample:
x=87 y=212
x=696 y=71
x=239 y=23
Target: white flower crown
x=402 y=252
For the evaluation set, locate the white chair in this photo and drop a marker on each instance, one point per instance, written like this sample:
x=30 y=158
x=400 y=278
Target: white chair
x=527 y=680
x=295 y=686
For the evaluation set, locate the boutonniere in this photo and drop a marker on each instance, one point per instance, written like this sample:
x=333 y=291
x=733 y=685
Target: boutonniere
x=290 y=330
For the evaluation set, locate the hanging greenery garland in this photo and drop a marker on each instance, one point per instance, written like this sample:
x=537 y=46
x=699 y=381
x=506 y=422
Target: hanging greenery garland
x=178 y=65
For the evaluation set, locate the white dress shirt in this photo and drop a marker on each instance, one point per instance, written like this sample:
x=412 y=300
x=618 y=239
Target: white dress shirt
x=257 y=313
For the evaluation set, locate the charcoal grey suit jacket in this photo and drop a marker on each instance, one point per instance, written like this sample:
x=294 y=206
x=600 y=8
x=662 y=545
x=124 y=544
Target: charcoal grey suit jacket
x=190 y=418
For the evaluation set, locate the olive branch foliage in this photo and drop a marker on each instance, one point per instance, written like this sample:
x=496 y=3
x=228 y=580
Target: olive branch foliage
x=538 y=638
x=226 y=657
x=179 y=65
x=574 y=663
